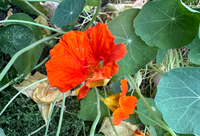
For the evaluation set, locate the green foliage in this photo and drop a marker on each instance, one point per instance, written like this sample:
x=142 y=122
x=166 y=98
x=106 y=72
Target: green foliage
x=67 y=11
x=88 y=107
x=13 y=38
x=92 y=2
x=2 y=132
x=166 y=24
x=116 y=87
x=178 y=99
x=143 y=109
x=23 y=117
x=30 y=58
x=22 y=5
x=194 y=53
x=139 y=54
x=161 y=55
x=4 y=5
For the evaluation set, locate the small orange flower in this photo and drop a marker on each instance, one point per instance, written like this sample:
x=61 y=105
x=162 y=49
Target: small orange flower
x=126 y=105
x=84 y=56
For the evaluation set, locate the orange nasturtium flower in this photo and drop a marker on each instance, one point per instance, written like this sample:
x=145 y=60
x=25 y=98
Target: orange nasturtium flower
x=84 y=56
x=120 y=105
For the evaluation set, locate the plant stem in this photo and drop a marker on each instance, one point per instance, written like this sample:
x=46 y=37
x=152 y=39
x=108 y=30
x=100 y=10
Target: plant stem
x=36 y=10
x=37 y=130
x=92 y=130
x=137 y=112
x=5 y=70
x=20 y=93
x=109 y=115
x=33 y=23
x=149 y=107
x=61 y=115
x=51 y=111
x=95 y=15
x=155 y=69
x=11 y=82
x=43 y=0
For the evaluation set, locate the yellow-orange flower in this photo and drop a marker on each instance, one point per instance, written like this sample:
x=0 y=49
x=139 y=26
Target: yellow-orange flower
x=120 y=104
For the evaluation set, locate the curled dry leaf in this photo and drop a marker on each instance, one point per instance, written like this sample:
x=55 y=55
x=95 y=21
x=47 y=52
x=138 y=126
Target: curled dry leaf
x=123 y=129
x=118 y=8
x=41 y=93
x=139 y=3
x=138 y=132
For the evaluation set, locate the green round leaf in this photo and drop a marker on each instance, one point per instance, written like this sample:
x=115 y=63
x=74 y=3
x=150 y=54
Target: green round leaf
x=166 y=24
x=30 y=58
x=14 y=38
x=178 y=98
x=67 y=11
x=139 y=54
x=88 y=107
x=143 y=109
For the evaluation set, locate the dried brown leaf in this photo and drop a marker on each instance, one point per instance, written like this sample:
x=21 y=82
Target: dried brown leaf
x=123 y=129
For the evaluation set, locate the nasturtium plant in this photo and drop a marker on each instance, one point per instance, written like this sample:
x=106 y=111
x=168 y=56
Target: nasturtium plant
x=30 y=58
x=194 y=54
x=88 y=111
x=161 y=55
x=143 y=109
x=4 y=4
x=24 y=6
x=139 y=54
x=166 y=24
x=178 y=98
x=67 y=11
x=14 y=38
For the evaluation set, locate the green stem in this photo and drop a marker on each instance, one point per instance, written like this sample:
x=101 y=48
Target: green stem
x=94 y=17
x=92 y=130
x=11 y=82
x=61 y=115
x=5 y=70
x=51 y=111
x=155 y=69
x=37 y=130
x=20 y=93
x=43 y=0
x=137 y=112
x=177 y=58
x=36 y=10
x=149 y=107
x=110 y=115
x=32 y=23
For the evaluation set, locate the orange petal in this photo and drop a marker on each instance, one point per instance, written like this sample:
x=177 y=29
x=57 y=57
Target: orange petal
x=118 y=116
x=68 y=65
x=118 y=53
x=83 y=92
x=102 y=41
x=124 y=87
x=128 y=104
x=64 y=73
x=88 y=31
